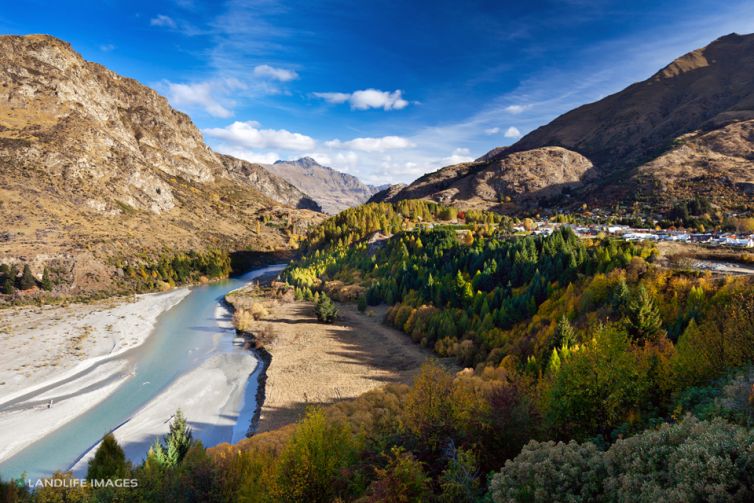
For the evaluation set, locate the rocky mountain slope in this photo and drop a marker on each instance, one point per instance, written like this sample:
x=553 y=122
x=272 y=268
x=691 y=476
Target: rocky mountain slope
x=332 y=190
x=683 y=131
x=386 y=193
x=96 y=166
x=269 y=183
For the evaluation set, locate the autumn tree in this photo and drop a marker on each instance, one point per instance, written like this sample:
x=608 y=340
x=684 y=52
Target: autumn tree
x=597 y=388
x=429 y=405
x=310 y=464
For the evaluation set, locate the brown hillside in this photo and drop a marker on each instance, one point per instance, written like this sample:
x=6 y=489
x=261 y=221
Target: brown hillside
x=97 y=166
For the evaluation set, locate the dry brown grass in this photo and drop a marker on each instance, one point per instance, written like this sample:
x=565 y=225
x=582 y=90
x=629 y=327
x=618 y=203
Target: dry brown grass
x=315 y=363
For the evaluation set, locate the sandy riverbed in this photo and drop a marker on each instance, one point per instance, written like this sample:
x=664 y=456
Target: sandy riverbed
x=40 y=344
x=315 y=363
x=210 y=397
x=55 y=353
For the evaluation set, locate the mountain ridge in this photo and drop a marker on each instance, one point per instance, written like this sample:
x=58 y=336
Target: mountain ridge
x=625 y=136
x=98 y=168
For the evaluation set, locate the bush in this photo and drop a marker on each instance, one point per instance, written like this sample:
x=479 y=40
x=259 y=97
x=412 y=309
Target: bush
x=691 y=461
x=325 y=309
x=243 y=320
x=362 y=305
x=551 y=472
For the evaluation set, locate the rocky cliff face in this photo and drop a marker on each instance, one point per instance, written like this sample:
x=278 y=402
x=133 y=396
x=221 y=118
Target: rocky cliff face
x=96 y=162
x=269 y=183
x=332 y=190
x=683 y=131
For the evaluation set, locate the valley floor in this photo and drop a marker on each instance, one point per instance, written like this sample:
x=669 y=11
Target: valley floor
x=315 y=363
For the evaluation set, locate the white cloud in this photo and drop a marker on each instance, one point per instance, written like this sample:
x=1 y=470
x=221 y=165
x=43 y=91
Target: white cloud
x=163 y=21
x=270 y=72
x=334 y=98
x=512 y=132
x=197 y=94
x=516 y=109
x=492 y=130
x=249 y=155
x=458 y=156
x=373 y=98
x=367 y=98
x=248 y=135
x=372 y=144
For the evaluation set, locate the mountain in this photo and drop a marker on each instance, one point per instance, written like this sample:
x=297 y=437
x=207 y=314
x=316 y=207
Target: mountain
x=332 y=190
x=98 y=168
x=386 y=192
x=269 y=183
x=682 y=132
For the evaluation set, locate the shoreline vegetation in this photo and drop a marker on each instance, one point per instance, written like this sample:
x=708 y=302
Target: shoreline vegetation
x=136 y=275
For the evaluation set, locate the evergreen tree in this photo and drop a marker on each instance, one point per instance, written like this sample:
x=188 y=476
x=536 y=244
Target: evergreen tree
x=46 y=281
x=27 y=281
x=565 y=335
x=325 y=310
x=109 y=461
x=9 y=281
x=171 y=451
x=621 y=296
x=644 y=321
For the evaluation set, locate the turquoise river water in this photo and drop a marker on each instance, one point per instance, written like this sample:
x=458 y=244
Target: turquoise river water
x=183 y=337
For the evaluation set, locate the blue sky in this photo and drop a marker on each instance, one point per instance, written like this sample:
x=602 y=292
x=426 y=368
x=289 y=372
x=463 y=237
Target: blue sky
x=383 y=90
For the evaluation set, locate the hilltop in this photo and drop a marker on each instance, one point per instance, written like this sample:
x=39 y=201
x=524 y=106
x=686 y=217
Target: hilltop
x=683 y=132
x=99 y=169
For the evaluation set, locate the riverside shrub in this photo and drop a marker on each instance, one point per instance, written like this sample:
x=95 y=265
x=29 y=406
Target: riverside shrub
x=690 y=461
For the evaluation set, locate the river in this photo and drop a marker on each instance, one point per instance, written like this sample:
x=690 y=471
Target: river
x=184 y=337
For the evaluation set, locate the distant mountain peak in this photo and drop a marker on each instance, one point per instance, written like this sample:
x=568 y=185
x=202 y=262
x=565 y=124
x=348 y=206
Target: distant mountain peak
x=333 y=190
x=304 y=162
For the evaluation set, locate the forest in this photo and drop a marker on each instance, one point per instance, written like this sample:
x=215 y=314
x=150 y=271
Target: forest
x=566 y=369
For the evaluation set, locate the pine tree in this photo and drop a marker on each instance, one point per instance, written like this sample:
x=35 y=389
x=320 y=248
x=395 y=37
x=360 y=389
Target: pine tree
x=171 y=451
x=109 y=461
x=325 y=310
x=46 y=281
x=27 y=281
x=621 y=297
x=644 y=321
x=565 y=335
x=9 y=282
